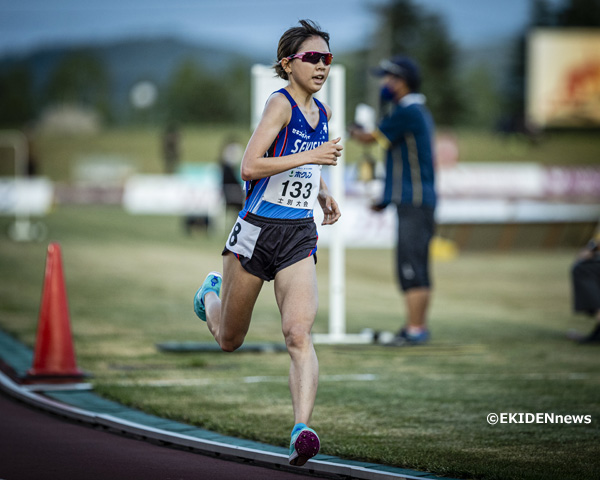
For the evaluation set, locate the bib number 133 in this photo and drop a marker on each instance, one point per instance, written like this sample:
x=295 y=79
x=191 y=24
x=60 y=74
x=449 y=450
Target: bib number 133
x=297 y=188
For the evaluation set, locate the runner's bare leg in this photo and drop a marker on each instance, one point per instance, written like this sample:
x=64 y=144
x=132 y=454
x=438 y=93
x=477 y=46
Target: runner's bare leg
x=296 y=294
x=228 y=316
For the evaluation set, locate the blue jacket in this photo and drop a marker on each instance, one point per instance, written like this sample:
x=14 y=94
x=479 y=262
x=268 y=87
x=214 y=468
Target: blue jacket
x=407 y=135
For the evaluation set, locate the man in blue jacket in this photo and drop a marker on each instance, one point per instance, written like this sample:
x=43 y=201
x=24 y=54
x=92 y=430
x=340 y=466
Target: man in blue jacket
x=406 y=133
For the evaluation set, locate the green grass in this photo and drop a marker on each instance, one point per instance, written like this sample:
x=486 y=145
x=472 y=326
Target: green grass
x=552 y=148
x=140 y=148
x=498 y=322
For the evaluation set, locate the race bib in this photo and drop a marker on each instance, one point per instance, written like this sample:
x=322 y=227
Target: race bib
x=242 y=238
x=295 y=188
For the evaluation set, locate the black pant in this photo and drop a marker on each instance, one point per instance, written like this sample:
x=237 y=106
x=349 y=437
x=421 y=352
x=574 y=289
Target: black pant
x=586 y=285
x=416 y=226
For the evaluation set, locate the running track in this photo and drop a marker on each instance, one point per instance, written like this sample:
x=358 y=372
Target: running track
x=35 y=445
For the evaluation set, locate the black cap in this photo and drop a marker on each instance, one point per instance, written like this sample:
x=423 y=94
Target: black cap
x=402 y=67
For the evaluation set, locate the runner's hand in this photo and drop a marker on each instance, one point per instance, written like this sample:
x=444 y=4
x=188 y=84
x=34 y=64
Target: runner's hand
x=328 y=153
x=330 y=208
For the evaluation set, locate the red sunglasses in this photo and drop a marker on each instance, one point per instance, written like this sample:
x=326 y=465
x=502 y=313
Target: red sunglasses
x=313 y=57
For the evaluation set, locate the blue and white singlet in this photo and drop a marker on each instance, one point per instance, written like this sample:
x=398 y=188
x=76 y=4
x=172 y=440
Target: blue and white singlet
x=290 y=194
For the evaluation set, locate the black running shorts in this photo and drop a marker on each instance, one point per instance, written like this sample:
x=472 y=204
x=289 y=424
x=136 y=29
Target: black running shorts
x=416 y=227
x=265 y=246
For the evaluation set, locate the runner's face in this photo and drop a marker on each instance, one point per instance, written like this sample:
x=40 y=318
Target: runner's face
x=312 y=77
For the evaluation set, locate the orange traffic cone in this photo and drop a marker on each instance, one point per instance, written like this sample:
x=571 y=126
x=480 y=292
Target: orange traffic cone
x=54 y=356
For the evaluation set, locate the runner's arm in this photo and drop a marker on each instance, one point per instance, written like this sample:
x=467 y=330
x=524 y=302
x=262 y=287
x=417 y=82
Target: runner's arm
x=276 y=116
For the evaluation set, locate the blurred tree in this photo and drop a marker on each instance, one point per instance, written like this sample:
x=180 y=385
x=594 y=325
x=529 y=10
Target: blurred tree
x=402 y=22
x=238 y=78
x=80 y=78
x=193 y=96
x=408 y=30
x=437 y=55
x=484 y=100
x=579 y=13
x=16 y=97
x=357 y=80
x=542 y=13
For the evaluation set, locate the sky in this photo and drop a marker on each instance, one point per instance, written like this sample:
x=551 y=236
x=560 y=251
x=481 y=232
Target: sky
x=247 y=25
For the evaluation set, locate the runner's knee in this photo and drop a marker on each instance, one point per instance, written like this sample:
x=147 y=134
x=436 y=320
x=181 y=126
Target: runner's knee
x=231 y=343
x=297 y=337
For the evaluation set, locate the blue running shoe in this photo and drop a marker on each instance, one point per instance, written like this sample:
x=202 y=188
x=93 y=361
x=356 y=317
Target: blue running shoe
x=403 y=338
x=419 y=338
x=304 y=445
x=212 y=283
